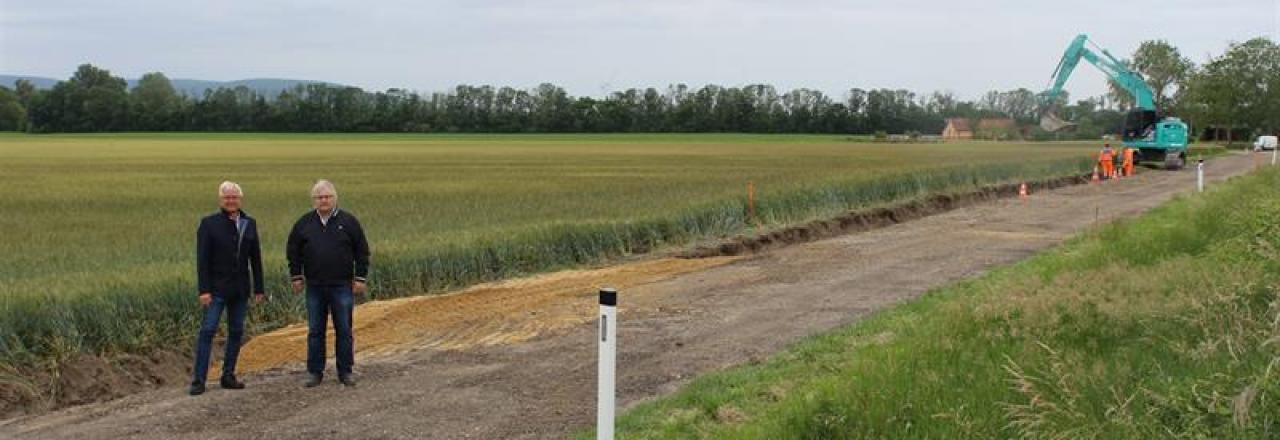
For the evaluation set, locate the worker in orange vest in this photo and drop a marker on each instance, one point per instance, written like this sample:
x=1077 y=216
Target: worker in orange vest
x=1128 y=161
x=1107 y=159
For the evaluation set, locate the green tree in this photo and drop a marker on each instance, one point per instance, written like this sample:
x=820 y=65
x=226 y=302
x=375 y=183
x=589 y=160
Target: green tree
x=91 y=100
x=26 y=92
x=153 y=103
x=13 y=117
x=552 y=109
x=1163 y=67
x=1238 y=89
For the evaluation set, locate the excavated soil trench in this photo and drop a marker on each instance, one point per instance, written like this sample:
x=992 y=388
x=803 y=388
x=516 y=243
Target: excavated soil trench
x=862 y=220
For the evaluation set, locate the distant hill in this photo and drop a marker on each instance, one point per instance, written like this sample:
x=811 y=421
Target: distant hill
x=40 y=82
x=191 y=87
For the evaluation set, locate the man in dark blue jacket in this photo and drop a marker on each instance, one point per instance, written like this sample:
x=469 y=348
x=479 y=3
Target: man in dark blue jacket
x=329 y=255
x=228 y=263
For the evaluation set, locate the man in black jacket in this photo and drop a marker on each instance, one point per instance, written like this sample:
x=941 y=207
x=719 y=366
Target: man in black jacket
x=328 y=255
x=228 y=262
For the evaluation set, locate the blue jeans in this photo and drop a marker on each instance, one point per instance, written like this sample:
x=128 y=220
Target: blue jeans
x=236 y=310
x=322 y=302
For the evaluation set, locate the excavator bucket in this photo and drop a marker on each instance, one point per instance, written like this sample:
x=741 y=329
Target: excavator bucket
x=1051 y=122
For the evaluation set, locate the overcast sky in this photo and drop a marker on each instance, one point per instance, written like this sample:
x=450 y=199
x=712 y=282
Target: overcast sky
x=589 y=46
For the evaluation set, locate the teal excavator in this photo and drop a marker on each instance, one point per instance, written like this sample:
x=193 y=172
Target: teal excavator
x=1158 y=138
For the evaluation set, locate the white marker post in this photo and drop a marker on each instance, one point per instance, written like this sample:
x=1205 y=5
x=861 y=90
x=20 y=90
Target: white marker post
x=1273 y=155
x=608 y=358
x=1200 y=176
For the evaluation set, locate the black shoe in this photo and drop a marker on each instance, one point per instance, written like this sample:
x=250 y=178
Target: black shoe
x=230 y=383
x=197 y=388
x=347 y=380
x=314 y=380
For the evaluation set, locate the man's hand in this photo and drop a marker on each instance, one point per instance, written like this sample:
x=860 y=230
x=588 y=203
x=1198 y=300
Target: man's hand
x=259 y=297
x=358 y=287
x=205 y=299
x=297 y=286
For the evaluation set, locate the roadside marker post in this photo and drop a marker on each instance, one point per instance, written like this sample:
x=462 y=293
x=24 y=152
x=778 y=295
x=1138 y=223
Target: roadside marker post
x=1200 y=175
x=608 y=337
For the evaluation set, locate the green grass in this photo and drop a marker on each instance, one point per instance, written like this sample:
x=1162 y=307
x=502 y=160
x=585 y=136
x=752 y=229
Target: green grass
x=1183 y=342
x=1204 y=151
x=99 y=258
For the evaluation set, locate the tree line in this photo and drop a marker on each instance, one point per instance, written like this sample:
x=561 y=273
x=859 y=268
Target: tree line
x=1238 y=89
x=94 y=100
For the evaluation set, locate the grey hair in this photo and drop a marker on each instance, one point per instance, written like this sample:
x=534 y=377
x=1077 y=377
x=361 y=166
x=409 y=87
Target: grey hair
x=322 y=185
x=229 y=187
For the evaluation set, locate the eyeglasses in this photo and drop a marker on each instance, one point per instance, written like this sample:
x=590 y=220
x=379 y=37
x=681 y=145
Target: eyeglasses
x=322 y=196
x=231 y=197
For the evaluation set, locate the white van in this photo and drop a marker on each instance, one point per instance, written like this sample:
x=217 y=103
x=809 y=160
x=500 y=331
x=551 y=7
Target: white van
x=1265 y=143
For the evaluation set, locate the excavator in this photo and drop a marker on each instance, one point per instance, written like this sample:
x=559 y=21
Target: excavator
x=1158 y=138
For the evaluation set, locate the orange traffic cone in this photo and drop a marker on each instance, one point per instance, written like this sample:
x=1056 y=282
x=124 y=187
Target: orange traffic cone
x=1022 y=190
x=1095 y=179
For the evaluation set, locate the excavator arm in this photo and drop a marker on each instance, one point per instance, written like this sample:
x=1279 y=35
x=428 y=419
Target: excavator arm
x=1115 y=70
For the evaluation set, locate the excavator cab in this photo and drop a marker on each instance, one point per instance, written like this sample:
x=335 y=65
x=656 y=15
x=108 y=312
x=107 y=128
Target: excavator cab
x=1140 y=125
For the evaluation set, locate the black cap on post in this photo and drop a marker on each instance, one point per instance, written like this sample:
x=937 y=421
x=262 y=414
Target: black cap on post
x=608 y=296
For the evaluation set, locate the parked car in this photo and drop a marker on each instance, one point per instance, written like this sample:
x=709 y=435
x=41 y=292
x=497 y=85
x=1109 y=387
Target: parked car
x=1265 y=143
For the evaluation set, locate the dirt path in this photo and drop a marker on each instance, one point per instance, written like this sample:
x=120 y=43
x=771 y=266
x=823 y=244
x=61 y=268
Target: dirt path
x=490 y=314
x=516 y=359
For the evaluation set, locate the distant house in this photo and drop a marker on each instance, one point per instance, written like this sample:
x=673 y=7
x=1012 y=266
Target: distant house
x=957 y=128
x=997 y=129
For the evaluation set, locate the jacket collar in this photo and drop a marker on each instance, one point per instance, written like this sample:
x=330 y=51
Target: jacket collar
x=332 y=215
x=227 y=215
